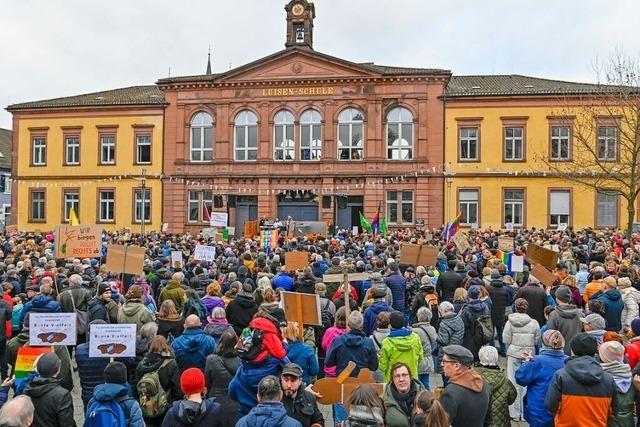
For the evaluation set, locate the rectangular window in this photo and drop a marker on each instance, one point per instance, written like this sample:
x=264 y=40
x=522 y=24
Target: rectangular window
x=607 y=143
x=71 y=200
x=6 y=184
x=399 y=141
x=143 y=148
x=607 y=209
x=37 y=206
x=400 y=207
x=72 y=150
x=513 y=143
x=207 y=200
x=196 y=203
x=7 y=214
x=107 y=202
x=468 y=206
x=142 y=205
x=39 y=151
x=559 y=207
x=310 y=141
x=560 y=140
x=107 y=149
x=514 y=207
x=194 y=206
x=468 y=143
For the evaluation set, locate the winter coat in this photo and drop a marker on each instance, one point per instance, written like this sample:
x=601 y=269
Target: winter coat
x=53 y=403
x=352 y=346
x=108 y=392
x=580 y=394
x=613 y=305
x=450 y=331
x=590 y=290
x=218 y=373
x=566 y=319
x=80 y=295
x=327 y=340
x=305 y=285
x=268 y=415
x=169 y=374
x=447 y=284
x=623 y=404
x=5 y=319
x=428 y=337
x=536 y=375
x=469 y=313
x=521 y=334
x=97 y=308
x=134 y=311
x=187 y=413
x=400 y=346
x=284 y=281
x=500 y=297
x=240 y=311
x=631 y=299
x=243 y=388
x=394 y=415
x=40 y=304
x=370 y=315
x=632 y=352
x=503 y=394
x=167 y=326
x=467 y=399
x=192 y=348
x=305 y=357
x=90 y=370
x=398 y=286
x=211 y=302
x=303 y=408
x=217 y=328
x=174 y=292
x=537 y=299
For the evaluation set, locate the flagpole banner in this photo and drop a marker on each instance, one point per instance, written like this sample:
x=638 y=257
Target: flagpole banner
x=204 y=253
x=52 y=329
x=219 y=219
x=73 y=218
x=26 y=360
x=83 y=241
x=112 y=340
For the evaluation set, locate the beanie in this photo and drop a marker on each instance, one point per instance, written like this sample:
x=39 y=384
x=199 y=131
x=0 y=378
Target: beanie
x=115 y=373
x=563 y=294
x=192 y=381
x=48 y=365
x=553 y=339
x=474 y=292
x=635 y=326
x=102 y=288
x=396 y=320
x=611 y=351
x=488 y=355
x=584 y=344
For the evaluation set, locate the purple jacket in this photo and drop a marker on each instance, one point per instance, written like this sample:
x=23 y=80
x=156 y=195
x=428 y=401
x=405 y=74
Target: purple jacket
x=212 y=302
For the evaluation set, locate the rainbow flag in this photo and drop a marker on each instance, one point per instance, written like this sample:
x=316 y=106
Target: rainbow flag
x=269 y=238
x=375 y=222
x=26 y=360
x=453 y=227
x=505 y=257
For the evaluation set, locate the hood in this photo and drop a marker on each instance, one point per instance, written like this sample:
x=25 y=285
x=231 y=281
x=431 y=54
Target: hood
x=354 y=338
x=475 y=305
x=172 y=285
x=109 y=391
x=403 y=343
x=612 y=294
x=264 y=325
x=379 y=306
x=519 y=319
x=132 y=308
x=469 y=379
x=190 y=412
x=266 y=415
x=621 y=373
x=40 y=386
x=598 y=334
x=41 y=300
x=568 y=311
x=245 y=301
x=584 y=369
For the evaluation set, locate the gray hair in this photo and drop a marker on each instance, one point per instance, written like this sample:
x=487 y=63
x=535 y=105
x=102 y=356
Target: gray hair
x=488 y=355
x=424 y=315
x=75 y=280
x=149 y=330
x=218 y=313
x=269 y=389
x=179 y=276
x=445 y=307
x=17 y=412
x=355 y=320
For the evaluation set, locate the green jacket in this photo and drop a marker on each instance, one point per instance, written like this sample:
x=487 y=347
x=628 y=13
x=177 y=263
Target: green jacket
x=134 y=311
x=394 y=416
x=404 y=347
x=503 y=394
x=622 y=408
x=174 y=292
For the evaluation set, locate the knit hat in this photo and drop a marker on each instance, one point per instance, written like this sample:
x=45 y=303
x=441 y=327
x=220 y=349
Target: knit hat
x=594 y=320
x=135 y=292
x=553 y=339
x=584 y=344
x=563 y=294
x=396 y=320
x=474 y=292
x=192 y=381
x=48 y=365
x=624 y=282
x=488 y=355
x=611 y=351
x=635 y=326
x=102 y=288
x=115 y=373
x=380 y=291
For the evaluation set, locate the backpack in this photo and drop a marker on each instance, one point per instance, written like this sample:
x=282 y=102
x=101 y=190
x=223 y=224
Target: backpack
x=153 y=397
x=105 y=414
x=327 y=321
x=249 y=344
x=82 y=317
x=482 y=329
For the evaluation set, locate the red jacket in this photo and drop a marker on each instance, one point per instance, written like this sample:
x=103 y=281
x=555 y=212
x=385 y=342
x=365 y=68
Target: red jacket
x=272 y=344
x=633 y=352
x=7 y=298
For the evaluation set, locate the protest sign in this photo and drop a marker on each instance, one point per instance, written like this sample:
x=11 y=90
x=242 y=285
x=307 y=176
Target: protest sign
x=354 y=230
x=539 y=255
x=338 y=389
x=424 y=255
x=125 y=259
x=165 y=227
x=562 y=226
x=509 y=226
x=296 y=260
x=517 y=264
x=505 y=243
x=204 y=253
x=219 y=219
x=52 y=329
x=461 y=242
x=250 y=229
x=176 y=259
x=543 y=275
x=112 y=340
x=80 y=241
x=25 y=362
x=302 y=308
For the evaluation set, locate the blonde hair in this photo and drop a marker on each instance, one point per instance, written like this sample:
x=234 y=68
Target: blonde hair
x=460 y=294
x=290 y=332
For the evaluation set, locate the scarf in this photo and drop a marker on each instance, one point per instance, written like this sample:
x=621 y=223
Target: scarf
x=621 y=373
x=405 y=400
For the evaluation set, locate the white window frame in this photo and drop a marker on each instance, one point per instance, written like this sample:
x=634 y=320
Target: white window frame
x=468 y=202
x=311 y=120
x=400 y=199
x=39 y=154
x=193 y=202
x=143 y=140
x=247 y=120
x=466 y=140
x=607 y=140
x=138 y=207
x=107 y=202
x=285 y=149
x=72 y=150
x=348 y=118
x=512 y=142
x=42 y=202
x=401 y=118
x=7 y=184
x=613 y=208
x=4 y=213
x=71 y=199
x=558 y=141
x=108 y=143
x=556 y=214
x=516 y=204
x=202 y=122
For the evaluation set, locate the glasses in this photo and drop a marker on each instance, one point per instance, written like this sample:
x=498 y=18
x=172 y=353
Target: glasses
x=401 y=376
x=448 y=361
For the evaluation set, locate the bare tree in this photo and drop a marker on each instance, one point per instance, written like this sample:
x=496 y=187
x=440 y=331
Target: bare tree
x=605 y=123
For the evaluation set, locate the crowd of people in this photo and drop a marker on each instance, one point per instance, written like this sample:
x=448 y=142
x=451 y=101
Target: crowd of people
x=214 y=345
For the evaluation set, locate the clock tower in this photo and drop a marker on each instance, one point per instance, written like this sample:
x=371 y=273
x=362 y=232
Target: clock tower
x=300 y=14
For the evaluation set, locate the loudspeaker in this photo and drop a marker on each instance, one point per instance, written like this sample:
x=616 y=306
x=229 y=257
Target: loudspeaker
x=217 y=201
x=326 y=202
x=231 y=201
x=342 y=202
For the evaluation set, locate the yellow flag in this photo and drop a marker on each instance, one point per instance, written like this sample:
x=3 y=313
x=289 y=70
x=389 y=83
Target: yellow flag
x=73 y=218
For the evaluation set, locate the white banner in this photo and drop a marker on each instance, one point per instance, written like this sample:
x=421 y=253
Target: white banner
x=52 y=329
x=176 y=258
x=219 y=219
x=204 y=253
x=112 y=341
x=517 y=264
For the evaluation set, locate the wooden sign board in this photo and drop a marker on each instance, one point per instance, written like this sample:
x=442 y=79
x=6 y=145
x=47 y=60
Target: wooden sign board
x=333 y=390
x=302 y=308
x=545 y=276
x=296 y=260
x=125 y=259
x=80 y=241
x=250 y=229
x=505 y=243
x=461 y=242
x=539 y=255
x=424 y=255
x=339 y=277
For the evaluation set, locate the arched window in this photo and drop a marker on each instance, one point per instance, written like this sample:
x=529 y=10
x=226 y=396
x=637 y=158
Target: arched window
x=284 y=147
x=399 y=134
x=201 y=138
x=351 y=134
x=310 y=135
x=246 y=136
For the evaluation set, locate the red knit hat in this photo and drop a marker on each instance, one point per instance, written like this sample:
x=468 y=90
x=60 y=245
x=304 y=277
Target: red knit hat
x=192 y=381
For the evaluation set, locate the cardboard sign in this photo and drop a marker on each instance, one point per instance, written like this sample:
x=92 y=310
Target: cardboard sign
x=354 y=230
x=251 y=229
x=219 y=219
x=176 y=259
x=424 y=255
x=517 y=264
x=332 y=389
x=52 y=329
x=302 y=308
x=204 y=253
x=539 y=255
x=545 y=276
x=112 y=340
x=505 y=243
x=296 y=260
x=209 y=233
x=81 y=241
x=461 y=242
x=125 y=259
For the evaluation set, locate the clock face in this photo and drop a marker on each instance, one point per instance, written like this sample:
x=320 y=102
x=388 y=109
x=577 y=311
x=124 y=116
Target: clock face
x=297 y=9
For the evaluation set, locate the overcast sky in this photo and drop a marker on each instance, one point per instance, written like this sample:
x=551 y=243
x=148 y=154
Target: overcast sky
x=62 y=48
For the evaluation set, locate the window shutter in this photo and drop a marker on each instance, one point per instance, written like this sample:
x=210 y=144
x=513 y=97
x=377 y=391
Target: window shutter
x=559 y=203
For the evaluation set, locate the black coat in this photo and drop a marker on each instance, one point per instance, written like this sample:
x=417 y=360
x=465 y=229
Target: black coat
x=537 y=299
x=97 y=309
x=500 y=299
x=468 y=405
x=5 y=315
x=218 y=373
x=447 y=284
x=173 y=327
x=303 y=408
x=53 y=403
x=240 y=311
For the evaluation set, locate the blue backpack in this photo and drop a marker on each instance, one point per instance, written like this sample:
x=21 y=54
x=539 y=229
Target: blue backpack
x=105 y=414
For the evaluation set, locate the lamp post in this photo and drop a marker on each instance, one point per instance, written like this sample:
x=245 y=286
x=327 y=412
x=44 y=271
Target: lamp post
x=143 y=183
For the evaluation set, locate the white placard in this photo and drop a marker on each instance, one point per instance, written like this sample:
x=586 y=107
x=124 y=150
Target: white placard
x=165 y=227
x=176 y=257
x=112 y=340
x=555 y=248
x=219 y=219
x=517 y=264
x=204 y=253
x=562 y=226
x=52 y=329
x=474 y=226
x=509 y=226
x=354 y=229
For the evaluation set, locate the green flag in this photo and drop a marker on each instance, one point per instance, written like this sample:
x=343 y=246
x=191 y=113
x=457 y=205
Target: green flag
x=383 y=227
x=364 y=223
x=225 y=234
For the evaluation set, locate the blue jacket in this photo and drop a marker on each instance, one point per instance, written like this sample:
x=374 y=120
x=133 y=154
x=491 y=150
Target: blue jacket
x=243 y=388
x=40 y=304
x=536 y=375
x=319 y=268
x=108 y=391
x=613 y=305
x=303 y=355
x=90 y=370
x=268 y=415
x=398 y=287
x=283 y=281
x=187 y=413
x=371 y=314
x=353 y=346
x=192 y=348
